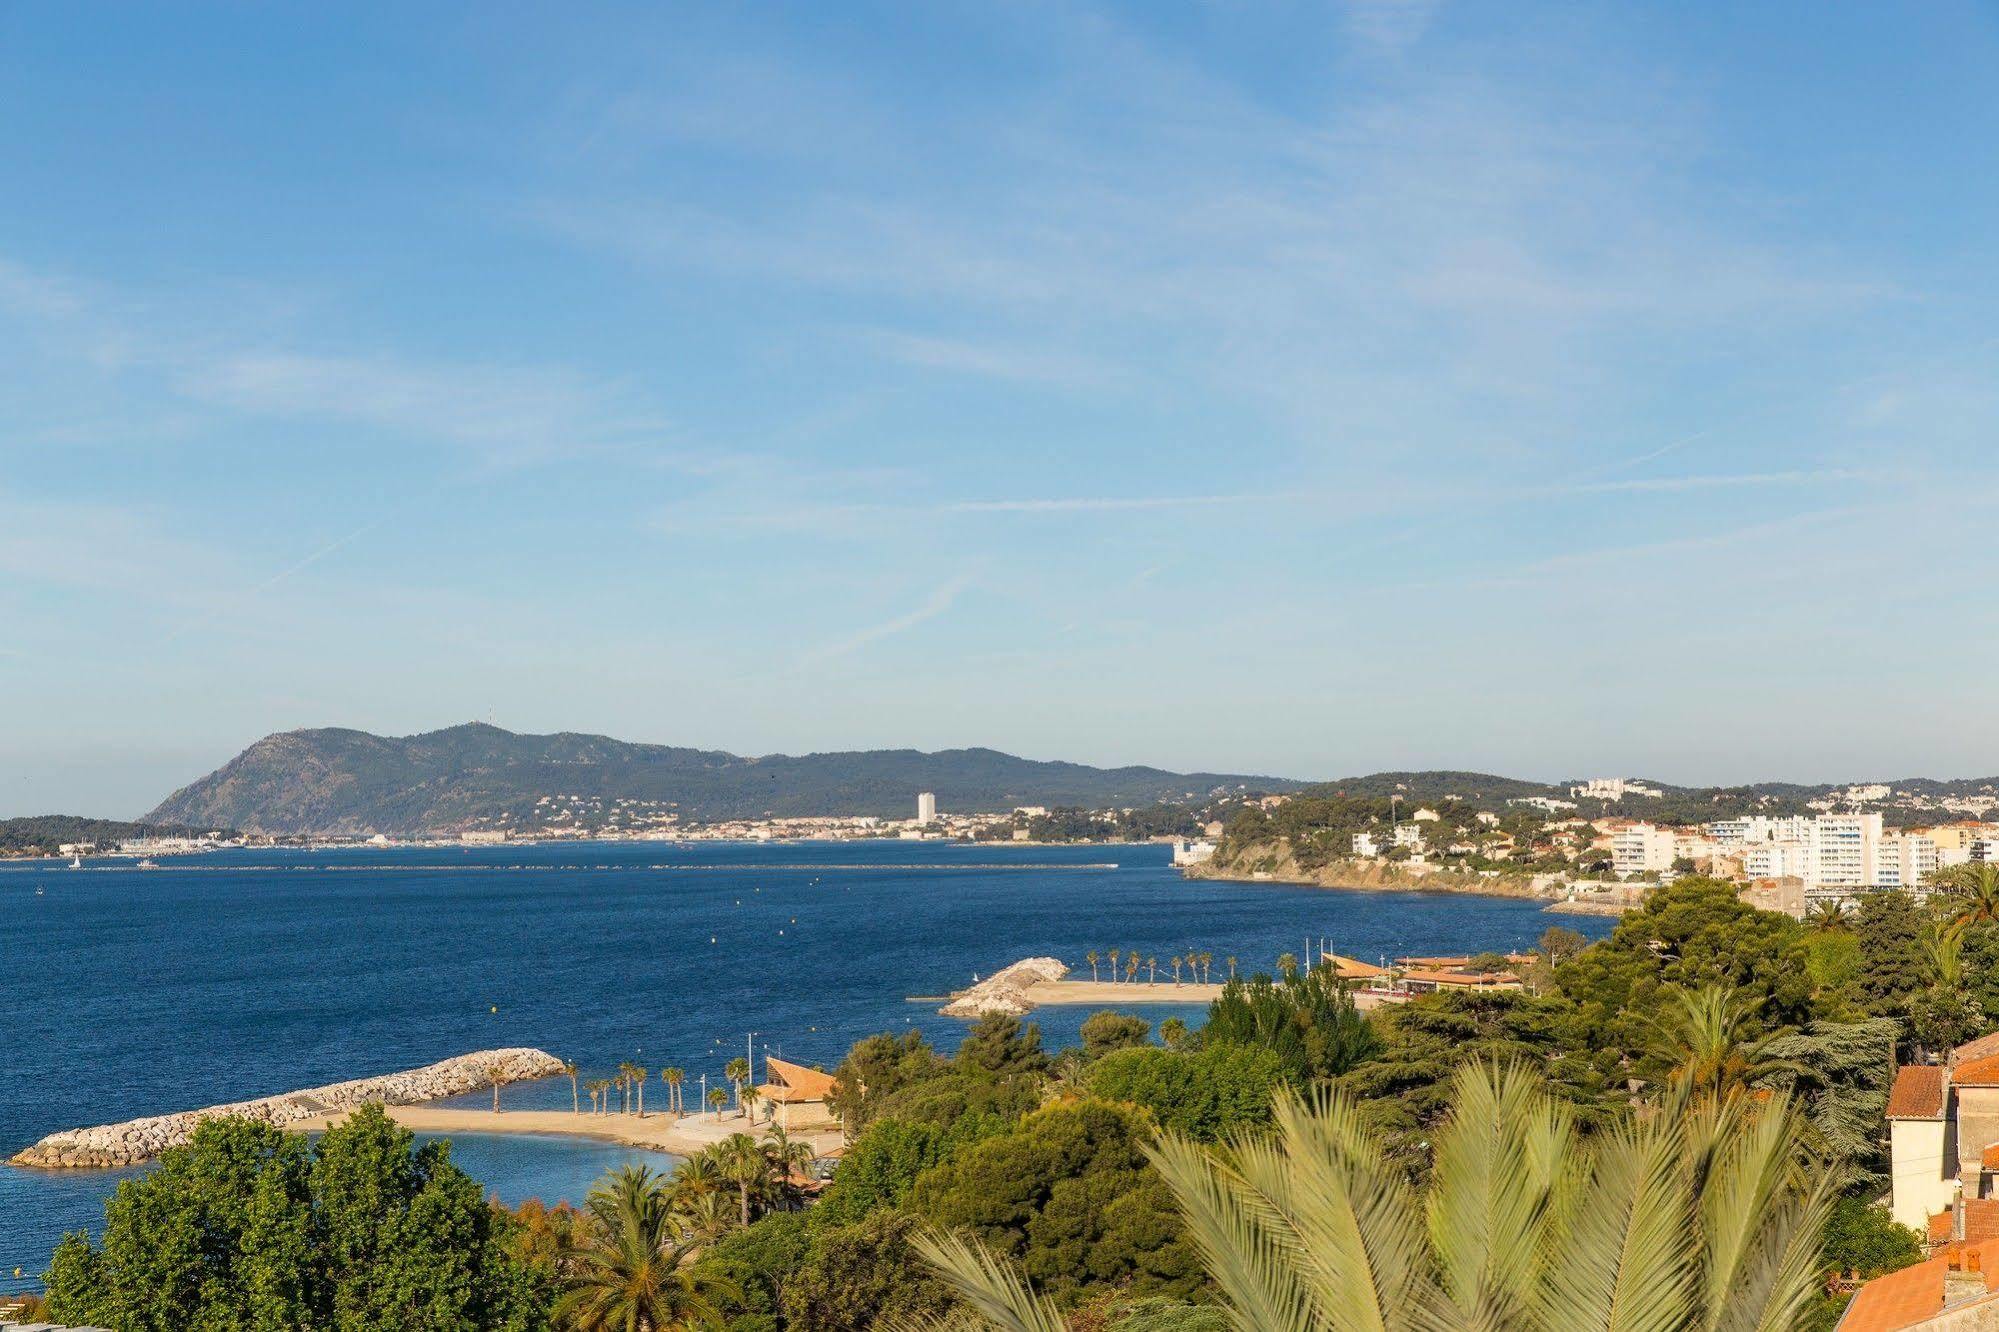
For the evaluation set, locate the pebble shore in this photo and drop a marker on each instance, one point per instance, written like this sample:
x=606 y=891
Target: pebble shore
x=140 y=1140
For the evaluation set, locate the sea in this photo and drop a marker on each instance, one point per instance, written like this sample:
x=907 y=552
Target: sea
x=240 y=973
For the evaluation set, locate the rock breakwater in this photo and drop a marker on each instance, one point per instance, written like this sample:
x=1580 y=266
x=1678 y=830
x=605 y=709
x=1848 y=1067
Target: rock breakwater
x=139 y=1140
x=1005 y=991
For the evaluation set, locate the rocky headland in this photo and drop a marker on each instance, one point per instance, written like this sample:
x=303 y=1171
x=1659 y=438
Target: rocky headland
x=139 y=1140
x=1274 y=862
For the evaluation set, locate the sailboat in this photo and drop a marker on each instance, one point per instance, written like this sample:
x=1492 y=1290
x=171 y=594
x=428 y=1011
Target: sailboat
x=76 y=862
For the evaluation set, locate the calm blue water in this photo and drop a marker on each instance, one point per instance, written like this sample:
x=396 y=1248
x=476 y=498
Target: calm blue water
x=130 y=992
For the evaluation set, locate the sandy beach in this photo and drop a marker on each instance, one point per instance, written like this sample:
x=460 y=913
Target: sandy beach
x=1110 y=994
x=659 y=1132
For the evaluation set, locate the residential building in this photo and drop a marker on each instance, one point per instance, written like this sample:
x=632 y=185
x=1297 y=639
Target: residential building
x=1409 y=835
x=1365 y=845
x=1904 y=860
x=1192 y=853
x=1774 y=860
x=1641 y=848
x=1613 y=789
x=926 y=807
x=1840 y=850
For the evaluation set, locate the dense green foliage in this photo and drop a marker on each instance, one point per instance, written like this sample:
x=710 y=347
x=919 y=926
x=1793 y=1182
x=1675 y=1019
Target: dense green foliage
x=1206 y=1095
x=1308 y=1019
x=1069 y=1194
x=1692 y=933
x=247 y=1227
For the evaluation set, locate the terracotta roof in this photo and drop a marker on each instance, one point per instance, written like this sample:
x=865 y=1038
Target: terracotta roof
x=1941 y=1225
x=795 y=1082
x=1347 y=968
x=1981 y=1220
x=1980 y=1072
x=1976 y=1049
x=1918 y=1092
x=1467 y=978
x=1898 y=1299
x=1433 y=963
x=1990 y=1157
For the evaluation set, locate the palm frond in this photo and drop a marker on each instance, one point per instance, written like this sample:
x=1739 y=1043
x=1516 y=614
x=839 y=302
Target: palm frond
x=1492 y=1190
x=1623 y=1261
x=996 y=1295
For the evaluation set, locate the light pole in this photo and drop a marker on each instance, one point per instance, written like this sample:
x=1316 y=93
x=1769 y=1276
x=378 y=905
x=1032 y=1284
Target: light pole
x=704 y=1089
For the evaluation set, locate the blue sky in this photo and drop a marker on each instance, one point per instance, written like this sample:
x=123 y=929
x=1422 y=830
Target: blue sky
x=1303 y=388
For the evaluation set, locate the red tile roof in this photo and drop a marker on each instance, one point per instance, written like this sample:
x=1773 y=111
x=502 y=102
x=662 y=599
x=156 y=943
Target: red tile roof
x=1976 y=1049
x=1981 y=1220
x=1990 y=1158
x=795 y=1082
x=1918 y=1092
x=1980 y=1072
x=1898 y=1299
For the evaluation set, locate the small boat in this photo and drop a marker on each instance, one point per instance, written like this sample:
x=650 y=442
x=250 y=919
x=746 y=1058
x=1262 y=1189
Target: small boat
x=149 y=863
x=76 y=862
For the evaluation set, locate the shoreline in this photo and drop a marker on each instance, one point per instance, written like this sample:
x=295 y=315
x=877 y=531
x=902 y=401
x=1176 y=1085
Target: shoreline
x=135 y=1141
x=658 y=1131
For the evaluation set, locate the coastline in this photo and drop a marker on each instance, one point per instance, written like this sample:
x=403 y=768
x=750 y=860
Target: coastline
x=1344 y=876
x=658 y=1131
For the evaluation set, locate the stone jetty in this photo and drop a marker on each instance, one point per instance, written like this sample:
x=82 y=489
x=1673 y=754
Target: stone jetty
x=139 y=1140
x=1006 y=990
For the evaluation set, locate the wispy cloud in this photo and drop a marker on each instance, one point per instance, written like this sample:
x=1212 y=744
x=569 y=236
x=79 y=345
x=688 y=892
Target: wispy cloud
x=934 y=605
x=1713 y=481
x=1097 y=503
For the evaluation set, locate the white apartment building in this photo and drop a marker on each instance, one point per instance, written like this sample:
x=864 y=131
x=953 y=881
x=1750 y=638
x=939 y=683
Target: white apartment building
x=1759 y=828
x=1365 y=845
x=1641 y=849
x=1774 y=860
x=1840 y=851
x=926 y=807
x=1409 y=835
x=1613 y=789
x=1904 y=860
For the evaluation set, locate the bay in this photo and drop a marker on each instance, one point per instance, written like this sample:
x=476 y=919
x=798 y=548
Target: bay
x=131 y=992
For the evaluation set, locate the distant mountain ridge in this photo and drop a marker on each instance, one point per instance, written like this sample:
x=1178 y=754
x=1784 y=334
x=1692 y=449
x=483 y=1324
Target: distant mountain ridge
x=343 y=782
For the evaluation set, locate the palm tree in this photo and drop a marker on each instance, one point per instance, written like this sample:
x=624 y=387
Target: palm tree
x=1701 y=1214
x=672 y=1077
x=625 y=1087
x=787 y=1157
x=575 y=1099
x=631 y=1268
x=708 y=1216
x=1975 y=886
x=1231 y=962
x=1207 y=960
x=496 y=1075
x=1114 y=957
x=639 y=1076
x=1705 y=1036
x=1826 y=917
x=743 y=1164
x=1091 y=958
x=693 y=1177
x=1131 y=966
x=737 y=1072
x=1943 y=949
x=717 y=1098
x=1286 y=963
x=1176 y=971
x=750 y=1098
